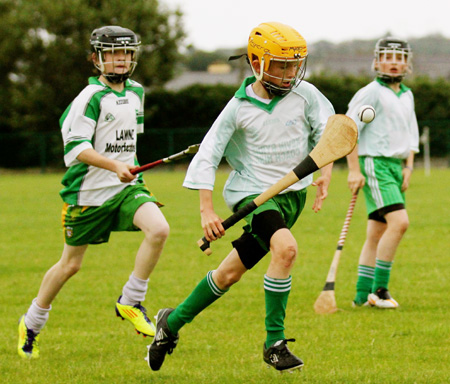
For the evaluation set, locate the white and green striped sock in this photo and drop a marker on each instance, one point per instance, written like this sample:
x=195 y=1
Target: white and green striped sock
x=364 y=283
x=382 y=274
x=276 y=296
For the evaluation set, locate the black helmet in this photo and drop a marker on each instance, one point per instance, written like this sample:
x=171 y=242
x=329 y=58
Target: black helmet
x=112 y=38
x=394 y=46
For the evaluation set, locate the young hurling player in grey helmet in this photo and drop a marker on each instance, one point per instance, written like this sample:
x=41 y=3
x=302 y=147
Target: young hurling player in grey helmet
x=382 y=165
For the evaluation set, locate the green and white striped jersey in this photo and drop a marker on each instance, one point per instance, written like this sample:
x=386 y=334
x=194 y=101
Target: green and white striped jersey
x=394 y=132
x=261 y=142
x=107 y=121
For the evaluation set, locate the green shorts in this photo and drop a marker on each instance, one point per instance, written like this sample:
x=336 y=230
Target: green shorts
x=384 y=180
x=290 y=205
x=93 y=225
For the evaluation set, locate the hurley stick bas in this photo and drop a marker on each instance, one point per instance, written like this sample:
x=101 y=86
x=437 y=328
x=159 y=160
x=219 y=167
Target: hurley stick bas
x=338 y=140
x=326 y=302
x=191 y=150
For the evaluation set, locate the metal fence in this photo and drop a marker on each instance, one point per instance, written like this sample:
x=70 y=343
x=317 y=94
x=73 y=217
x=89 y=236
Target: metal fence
x=45 y=150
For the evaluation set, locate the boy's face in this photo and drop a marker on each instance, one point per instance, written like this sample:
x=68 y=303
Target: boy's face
x=282 y=73
x=394 y=63
x=117 y=61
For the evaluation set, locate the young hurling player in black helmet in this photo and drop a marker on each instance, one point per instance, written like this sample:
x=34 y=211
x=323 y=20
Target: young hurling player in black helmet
x=100 y=195
x=265 y=130
x=386 y=151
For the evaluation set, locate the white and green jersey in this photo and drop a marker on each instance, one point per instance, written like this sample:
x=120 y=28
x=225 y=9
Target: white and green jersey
x=394 y=132
x=261 y=142
x=107 y=121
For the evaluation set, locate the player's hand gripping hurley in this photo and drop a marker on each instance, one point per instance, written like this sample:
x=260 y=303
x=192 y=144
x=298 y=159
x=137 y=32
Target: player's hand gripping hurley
x=191 y=150
x=326 y=302
x=337 y=141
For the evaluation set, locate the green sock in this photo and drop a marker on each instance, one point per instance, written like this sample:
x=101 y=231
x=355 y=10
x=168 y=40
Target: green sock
x=382 y=274
x=364 y=283
x=276 y=295
x=203 y=295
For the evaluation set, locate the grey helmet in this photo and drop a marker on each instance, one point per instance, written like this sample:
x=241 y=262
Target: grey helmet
x=112 y=38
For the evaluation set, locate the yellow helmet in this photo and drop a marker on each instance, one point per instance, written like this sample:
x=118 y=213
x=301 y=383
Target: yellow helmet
x=274 y=41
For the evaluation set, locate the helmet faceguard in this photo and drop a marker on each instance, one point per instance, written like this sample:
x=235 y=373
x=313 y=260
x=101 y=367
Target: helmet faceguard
x=276 y=42
x=112 y=39
x=393 y=51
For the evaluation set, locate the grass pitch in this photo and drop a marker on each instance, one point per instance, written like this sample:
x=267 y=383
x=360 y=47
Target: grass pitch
x=84 y=342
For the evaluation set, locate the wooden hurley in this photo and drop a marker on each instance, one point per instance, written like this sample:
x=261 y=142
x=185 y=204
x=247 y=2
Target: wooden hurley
x=326 y=302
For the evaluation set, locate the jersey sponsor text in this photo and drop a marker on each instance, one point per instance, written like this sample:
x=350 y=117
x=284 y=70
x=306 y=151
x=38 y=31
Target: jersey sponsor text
x=271 y=153
x=125 y=134
x=119 y=148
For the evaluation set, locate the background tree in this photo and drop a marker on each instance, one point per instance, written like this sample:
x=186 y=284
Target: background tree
x=46 y=53
x=45 y=62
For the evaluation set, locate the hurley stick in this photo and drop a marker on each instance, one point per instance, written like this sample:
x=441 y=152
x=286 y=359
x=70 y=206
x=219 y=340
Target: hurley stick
x=191 y=150
x=326 y=302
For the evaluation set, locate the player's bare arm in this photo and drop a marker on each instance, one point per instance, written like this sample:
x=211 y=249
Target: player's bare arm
x=407 y=171
x=322 y=184
x=91 y=157
x=211 y=222
x=356 y=179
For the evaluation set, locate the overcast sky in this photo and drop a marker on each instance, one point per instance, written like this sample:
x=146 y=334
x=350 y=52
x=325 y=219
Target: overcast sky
x=212 y=24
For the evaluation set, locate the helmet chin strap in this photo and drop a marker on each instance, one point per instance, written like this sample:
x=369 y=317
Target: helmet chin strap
x=273 y=89
x=391 y=79
x=115 y=78
x=259 y=75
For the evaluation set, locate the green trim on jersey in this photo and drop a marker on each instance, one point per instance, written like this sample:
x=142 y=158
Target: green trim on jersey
x=242 y=94
x=403 y=87
x=64 y=115
x=73 y=144
x=130 y=84
x=93 y=106
x=72 y=180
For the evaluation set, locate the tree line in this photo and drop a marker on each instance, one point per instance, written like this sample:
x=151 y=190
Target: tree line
x=45 y=59
x=45 y=64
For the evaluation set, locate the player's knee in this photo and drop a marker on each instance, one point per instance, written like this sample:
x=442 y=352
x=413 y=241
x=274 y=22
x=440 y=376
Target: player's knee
x=403 y=225
x=159 y=233
x=285 y=253
x=400 y=224
x=70 y=268
x=162 y=232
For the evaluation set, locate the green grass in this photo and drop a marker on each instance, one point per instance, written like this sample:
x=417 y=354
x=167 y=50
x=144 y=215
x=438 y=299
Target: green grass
x=84 y=342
